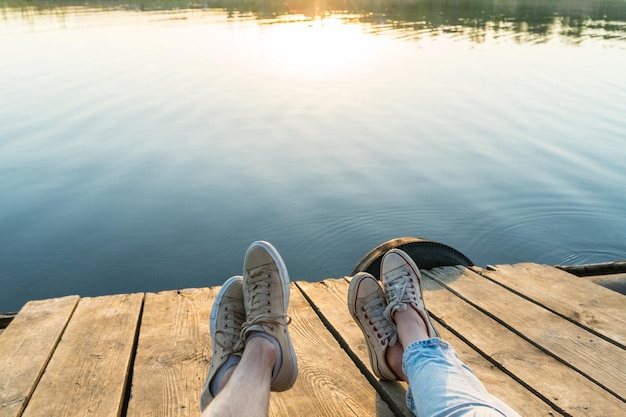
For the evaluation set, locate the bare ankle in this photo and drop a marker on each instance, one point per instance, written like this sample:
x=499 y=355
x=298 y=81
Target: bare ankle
x=411 y=327
x=264 y=348
x=407 y=315
x=393 y=356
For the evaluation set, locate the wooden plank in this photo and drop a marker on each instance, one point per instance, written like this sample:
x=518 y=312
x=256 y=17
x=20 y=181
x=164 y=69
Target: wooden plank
x=593 y=356
x=564 y=388
x=497 y=382
x=87 y=373
x=584 y=302
x=25 y=349
x=172 y=353
x=330 y=298
x=328 y=382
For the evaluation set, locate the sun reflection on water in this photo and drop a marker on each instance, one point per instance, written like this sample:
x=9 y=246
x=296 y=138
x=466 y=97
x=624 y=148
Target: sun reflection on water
x=318 y=48
x=133 y=143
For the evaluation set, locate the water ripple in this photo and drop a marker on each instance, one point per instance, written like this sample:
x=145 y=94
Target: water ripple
x=142 y=151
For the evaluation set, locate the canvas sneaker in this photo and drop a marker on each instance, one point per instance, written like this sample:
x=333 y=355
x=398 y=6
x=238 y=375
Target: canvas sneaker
x=227 y=317
x=266 y=297
x=366 y=302
x=403 y=287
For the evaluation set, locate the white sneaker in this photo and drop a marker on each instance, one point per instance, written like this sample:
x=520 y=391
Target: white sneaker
x=266 y=297
x=403 y=287
x=227 y=316
x=366 y=302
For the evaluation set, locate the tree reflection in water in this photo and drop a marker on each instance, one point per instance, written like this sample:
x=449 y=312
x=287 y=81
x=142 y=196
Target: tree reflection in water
x=525 y=20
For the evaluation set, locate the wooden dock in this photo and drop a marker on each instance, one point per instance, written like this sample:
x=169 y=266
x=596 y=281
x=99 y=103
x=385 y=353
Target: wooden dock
x=546 y=342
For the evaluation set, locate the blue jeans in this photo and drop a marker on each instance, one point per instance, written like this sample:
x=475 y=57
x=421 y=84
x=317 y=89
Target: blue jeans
x=441 y=385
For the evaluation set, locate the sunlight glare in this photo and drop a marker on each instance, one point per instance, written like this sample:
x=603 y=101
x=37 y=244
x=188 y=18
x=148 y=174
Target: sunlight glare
x=318 y=48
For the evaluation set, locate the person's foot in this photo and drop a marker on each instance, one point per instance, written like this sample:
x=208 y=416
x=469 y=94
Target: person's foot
x=366 y=302
x=227 y=316
x=403 y=287
x=266 y=297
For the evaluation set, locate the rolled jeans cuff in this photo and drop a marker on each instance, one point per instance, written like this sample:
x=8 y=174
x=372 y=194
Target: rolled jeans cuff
x=440 y=384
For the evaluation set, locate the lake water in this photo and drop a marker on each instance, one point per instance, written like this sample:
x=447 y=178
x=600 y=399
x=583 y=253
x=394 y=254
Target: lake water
x=143 y=146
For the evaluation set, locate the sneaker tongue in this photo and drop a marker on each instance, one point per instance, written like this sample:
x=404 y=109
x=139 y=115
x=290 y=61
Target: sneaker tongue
x=258 y=272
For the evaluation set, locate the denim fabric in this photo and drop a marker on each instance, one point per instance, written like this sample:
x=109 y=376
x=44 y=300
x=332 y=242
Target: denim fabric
x=441 y=385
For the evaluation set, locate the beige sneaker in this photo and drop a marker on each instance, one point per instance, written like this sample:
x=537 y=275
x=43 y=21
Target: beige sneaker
x=266 y=297
x=227 y=316
x=366 y=302
x=403 y=287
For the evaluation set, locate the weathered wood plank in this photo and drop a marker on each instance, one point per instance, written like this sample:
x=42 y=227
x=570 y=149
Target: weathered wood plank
x=497 y=382
x=88 y=371
x=595 y=357
x=584 y=302
x=560 y=385
x=172 y=354
x=330 y=297
x=328 y=382
x=26 y=347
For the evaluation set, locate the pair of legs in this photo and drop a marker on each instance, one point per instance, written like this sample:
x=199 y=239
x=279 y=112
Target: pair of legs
x=252 y=350
x=253 y=354
x=403 y=344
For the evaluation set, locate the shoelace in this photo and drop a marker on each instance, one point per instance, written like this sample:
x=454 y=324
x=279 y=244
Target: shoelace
x=385 y=330
x=399 y=290
x=259 y=306
x=230 y=335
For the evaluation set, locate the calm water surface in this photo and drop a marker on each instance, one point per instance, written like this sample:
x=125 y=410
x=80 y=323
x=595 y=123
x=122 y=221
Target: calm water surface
x=143 y=150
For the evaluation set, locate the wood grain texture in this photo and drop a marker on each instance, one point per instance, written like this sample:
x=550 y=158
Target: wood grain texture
x=173 y=353
x=26 y=347
x=593 y=356
x=71 y=357
x=584 y=302
x=330 y=297
x=328 y=382
x=554 y=381
x=87 y=374
x=498 y=383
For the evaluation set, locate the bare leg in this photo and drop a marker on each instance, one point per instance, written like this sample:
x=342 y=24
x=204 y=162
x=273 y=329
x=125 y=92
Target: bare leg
x=247 y=391
x=411 y=328
x=393 y=356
